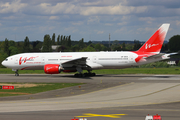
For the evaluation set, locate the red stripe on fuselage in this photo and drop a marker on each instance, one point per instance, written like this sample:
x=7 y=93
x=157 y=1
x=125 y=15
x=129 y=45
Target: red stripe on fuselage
x=142 y=54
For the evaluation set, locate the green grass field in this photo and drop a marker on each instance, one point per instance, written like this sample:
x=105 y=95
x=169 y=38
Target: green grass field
x=170 y=70
x=175 y=70
x=40 y=87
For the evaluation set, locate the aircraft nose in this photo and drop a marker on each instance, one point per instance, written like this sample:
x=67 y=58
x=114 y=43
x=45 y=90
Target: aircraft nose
x=3 y=63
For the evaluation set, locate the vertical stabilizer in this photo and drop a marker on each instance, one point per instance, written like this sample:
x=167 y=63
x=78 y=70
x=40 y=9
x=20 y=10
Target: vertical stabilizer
x=155 y=43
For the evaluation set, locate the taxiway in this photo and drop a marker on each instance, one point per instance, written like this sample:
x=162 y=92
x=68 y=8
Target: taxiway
x=131 y=96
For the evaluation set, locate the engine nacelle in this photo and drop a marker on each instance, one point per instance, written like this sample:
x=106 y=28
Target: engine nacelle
x=52 y=69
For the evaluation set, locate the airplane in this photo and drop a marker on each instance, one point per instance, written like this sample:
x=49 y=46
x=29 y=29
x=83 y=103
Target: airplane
x=57 y=62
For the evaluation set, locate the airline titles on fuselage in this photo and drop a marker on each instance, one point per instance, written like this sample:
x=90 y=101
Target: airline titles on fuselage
x=28 y=60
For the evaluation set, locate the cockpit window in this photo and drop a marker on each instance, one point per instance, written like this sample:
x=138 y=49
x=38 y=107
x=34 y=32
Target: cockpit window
x=6 y=59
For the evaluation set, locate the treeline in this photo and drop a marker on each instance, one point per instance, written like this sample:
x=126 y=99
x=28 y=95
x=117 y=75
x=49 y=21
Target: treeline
x=65 y=44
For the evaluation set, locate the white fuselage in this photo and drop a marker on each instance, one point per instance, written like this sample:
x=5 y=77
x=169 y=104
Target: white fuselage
x=96 y=60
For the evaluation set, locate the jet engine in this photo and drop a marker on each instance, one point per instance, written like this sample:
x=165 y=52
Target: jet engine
x=52 y=69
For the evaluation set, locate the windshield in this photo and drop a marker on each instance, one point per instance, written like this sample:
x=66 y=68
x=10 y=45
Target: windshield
x=6 y=59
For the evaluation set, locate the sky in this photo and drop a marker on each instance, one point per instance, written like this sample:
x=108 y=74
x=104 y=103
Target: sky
x=88 y=19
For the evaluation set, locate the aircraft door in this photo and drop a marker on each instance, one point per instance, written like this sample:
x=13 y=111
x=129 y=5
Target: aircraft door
x=16 y=60
x=43 y=60
x=131 y=59
x=94 y=59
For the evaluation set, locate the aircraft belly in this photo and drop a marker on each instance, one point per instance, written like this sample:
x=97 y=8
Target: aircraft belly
x=40 y=67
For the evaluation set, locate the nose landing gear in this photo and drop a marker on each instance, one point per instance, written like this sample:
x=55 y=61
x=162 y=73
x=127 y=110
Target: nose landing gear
x=16 y=73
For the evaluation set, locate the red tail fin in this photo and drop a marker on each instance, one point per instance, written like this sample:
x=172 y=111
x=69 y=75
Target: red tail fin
x=155 y=43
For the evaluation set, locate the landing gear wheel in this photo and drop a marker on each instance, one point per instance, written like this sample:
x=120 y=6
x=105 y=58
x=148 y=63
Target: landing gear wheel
x=76 y=75
x=16 y=73
x=89 y=74
x=93 y=74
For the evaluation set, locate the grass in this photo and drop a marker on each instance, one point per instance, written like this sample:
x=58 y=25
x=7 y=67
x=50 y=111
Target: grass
x=170 y=70
x=9 y=71
x=175 y=70
x=41 y=87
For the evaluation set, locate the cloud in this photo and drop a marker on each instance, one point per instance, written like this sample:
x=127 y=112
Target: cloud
x=165 y=3
x=93 y=19
x=82 y=17
x=85 y=8
x=148 y=20
x=111 y=10
x=54 y=17
x=100 y=32
x=109 y=24
x=122 y=23
x=59 y=8
x=13 y=7
x=77 y=23
x=177 y=22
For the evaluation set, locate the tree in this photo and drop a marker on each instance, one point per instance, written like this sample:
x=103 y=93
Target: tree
x=47 y=44
x=61 y=40
x=58 y=40
x=19 y=46
x=116 y=46
x=26 y=46
x=13 y=50
x=53 y=39
x=89 y=43
x=66 y=41
x=6 y=47
x=12 y=43
x=81 y=43
x=75 y=48
x=123 y=46
x=2 y=57
x=97 y=47
x=174 y=43
x=36 y=46
x=164 y=48
x=69 y=41
x=137 y=45
x=88 y=49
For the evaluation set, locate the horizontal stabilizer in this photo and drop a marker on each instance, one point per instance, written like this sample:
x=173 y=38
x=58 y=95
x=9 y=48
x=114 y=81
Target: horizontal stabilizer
x=154 y=56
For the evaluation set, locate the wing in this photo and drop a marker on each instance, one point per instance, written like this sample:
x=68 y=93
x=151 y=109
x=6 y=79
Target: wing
x=76 y=62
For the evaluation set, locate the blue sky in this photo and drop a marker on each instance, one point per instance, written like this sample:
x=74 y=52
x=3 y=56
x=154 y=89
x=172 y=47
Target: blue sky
x=88 y=19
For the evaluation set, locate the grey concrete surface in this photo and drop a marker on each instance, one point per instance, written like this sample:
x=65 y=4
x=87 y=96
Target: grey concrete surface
x=139 y=92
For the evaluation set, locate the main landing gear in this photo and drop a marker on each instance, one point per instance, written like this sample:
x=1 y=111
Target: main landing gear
x=87 y=74
x=80 y=74
x=84 y=74
x=16 y=73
